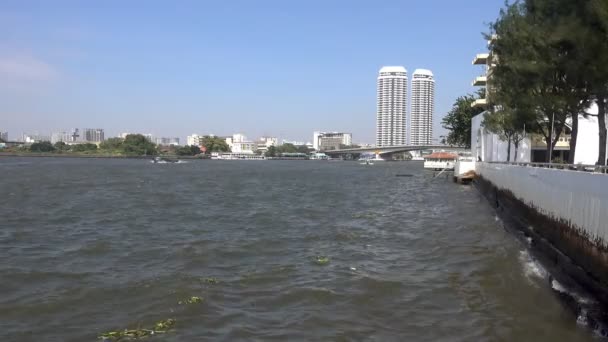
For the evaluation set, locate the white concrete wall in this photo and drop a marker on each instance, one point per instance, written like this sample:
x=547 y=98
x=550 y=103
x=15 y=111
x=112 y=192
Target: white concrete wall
x=580 y=198
x=488 y=147
x=587 y=141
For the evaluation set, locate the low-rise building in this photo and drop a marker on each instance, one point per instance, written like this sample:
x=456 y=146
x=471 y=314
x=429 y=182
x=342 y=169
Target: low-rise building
x=325 y=141
x=34 y=138
x=238 y=143
x=194 y=139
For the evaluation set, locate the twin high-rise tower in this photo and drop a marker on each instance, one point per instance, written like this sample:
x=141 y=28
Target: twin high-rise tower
x=391 y=122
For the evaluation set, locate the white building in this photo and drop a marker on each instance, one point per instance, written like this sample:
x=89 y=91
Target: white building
x=488 y=147
x=4 y=136
x=323 y=141
x=167 y=141
x=422 y=107
x=61 y=137
x=194 y=139
x=239 y=144
x=391 y=106
x=33 y=138
x=93 y=134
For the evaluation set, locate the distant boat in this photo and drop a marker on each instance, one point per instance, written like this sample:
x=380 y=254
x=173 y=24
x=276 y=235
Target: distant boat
x=367 y=162
x=164 y=160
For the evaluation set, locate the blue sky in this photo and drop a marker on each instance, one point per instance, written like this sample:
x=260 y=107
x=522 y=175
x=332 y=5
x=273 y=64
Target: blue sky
x=281 y=68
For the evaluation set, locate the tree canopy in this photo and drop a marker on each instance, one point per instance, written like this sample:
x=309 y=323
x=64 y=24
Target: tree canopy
x=137 y=144
x=550 y=64
x=215 y=144
x=458 y=121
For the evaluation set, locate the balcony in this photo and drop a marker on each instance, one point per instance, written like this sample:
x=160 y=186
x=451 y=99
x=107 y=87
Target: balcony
x=481 y=59
x=480 y=81
x=479 y=103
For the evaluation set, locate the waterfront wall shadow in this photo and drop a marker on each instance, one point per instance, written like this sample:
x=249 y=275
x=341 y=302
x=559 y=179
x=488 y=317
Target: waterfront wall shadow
x=566 y=211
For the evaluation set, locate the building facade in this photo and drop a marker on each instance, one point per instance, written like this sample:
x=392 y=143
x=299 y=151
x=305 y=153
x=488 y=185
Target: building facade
x=93 y=135
x=238 y=143
x=4 y=136
x=194 y=139
x=325 y=141
x=64 y=137
x=166 y=141
x=422 y=107
x=391 y=106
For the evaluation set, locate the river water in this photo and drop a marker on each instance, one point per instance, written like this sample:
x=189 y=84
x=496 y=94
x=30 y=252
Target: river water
x=93 y=245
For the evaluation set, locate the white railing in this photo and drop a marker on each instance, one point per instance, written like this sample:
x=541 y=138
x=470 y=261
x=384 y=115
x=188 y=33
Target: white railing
x=571 y=167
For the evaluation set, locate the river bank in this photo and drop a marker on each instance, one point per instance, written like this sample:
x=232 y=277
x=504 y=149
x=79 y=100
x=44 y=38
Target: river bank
x=559 y=214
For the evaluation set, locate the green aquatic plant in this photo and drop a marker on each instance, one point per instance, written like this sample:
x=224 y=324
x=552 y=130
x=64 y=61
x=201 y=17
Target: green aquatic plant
x=191 y=300
x=211 y=280
x=160 y=327
x=322 y=260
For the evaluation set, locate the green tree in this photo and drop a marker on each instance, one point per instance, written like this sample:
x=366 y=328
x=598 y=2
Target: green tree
x=43 y=146
x=61 y=146
x=595 y=20
x=528 y=70
x=302 y=149
x=138 y=145
x=111 y=144
x=287 y=148
x=271 y=152
x=458 y=121
x=188 y=150
x=86 y=147
x=215 y=144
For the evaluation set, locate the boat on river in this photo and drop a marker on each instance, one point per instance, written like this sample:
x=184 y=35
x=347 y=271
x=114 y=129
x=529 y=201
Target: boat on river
x=164 y=160
x=440 y=161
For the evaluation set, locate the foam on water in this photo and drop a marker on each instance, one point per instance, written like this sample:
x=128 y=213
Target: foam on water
x=532 y=268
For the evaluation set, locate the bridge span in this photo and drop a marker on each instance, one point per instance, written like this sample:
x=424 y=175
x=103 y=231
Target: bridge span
x=393 y=149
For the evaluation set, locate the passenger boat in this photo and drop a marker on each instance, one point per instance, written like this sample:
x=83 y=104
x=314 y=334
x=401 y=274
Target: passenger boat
x=440 y=161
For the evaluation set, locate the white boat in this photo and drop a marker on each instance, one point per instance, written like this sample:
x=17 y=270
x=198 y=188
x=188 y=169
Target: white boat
x=440 y=161
x=367 y=162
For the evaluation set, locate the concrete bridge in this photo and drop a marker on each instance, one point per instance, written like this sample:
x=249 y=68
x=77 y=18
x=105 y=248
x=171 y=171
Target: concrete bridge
x=393 y=149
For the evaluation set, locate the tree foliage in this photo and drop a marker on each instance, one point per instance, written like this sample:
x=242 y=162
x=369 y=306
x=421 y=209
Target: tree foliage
x=458 y=121
x=188 y=150
x=137 y=144
x=86 y=147
x=111 y=144
x=548 y=69
x=215 y=144
x=43 y=146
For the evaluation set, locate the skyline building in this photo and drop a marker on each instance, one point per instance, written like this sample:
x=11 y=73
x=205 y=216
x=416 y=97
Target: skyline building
x=4 y=136
x=93 y=134
x=422 y=107
x=391 y=106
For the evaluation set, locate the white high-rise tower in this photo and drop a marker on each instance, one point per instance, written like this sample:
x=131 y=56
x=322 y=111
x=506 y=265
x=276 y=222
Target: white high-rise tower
x=423 y=104
x=392 y=104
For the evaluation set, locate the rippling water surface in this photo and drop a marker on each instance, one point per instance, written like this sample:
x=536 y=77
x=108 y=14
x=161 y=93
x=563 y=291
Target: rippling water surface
x=89 y=246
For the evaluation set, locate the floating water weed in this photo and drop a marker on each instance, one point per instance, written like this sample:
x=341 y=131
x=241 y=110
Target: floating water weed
x=160 y=327
x=322 y=260
x=191 y=300
x=211 y=281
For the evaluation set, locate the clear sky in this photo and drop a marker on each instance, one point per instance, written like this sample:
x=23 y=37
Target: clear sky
x=172 y=68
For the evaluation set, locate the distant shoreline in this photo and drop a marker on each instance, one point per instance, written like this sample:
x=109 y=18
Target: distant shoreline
x=70 y=155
